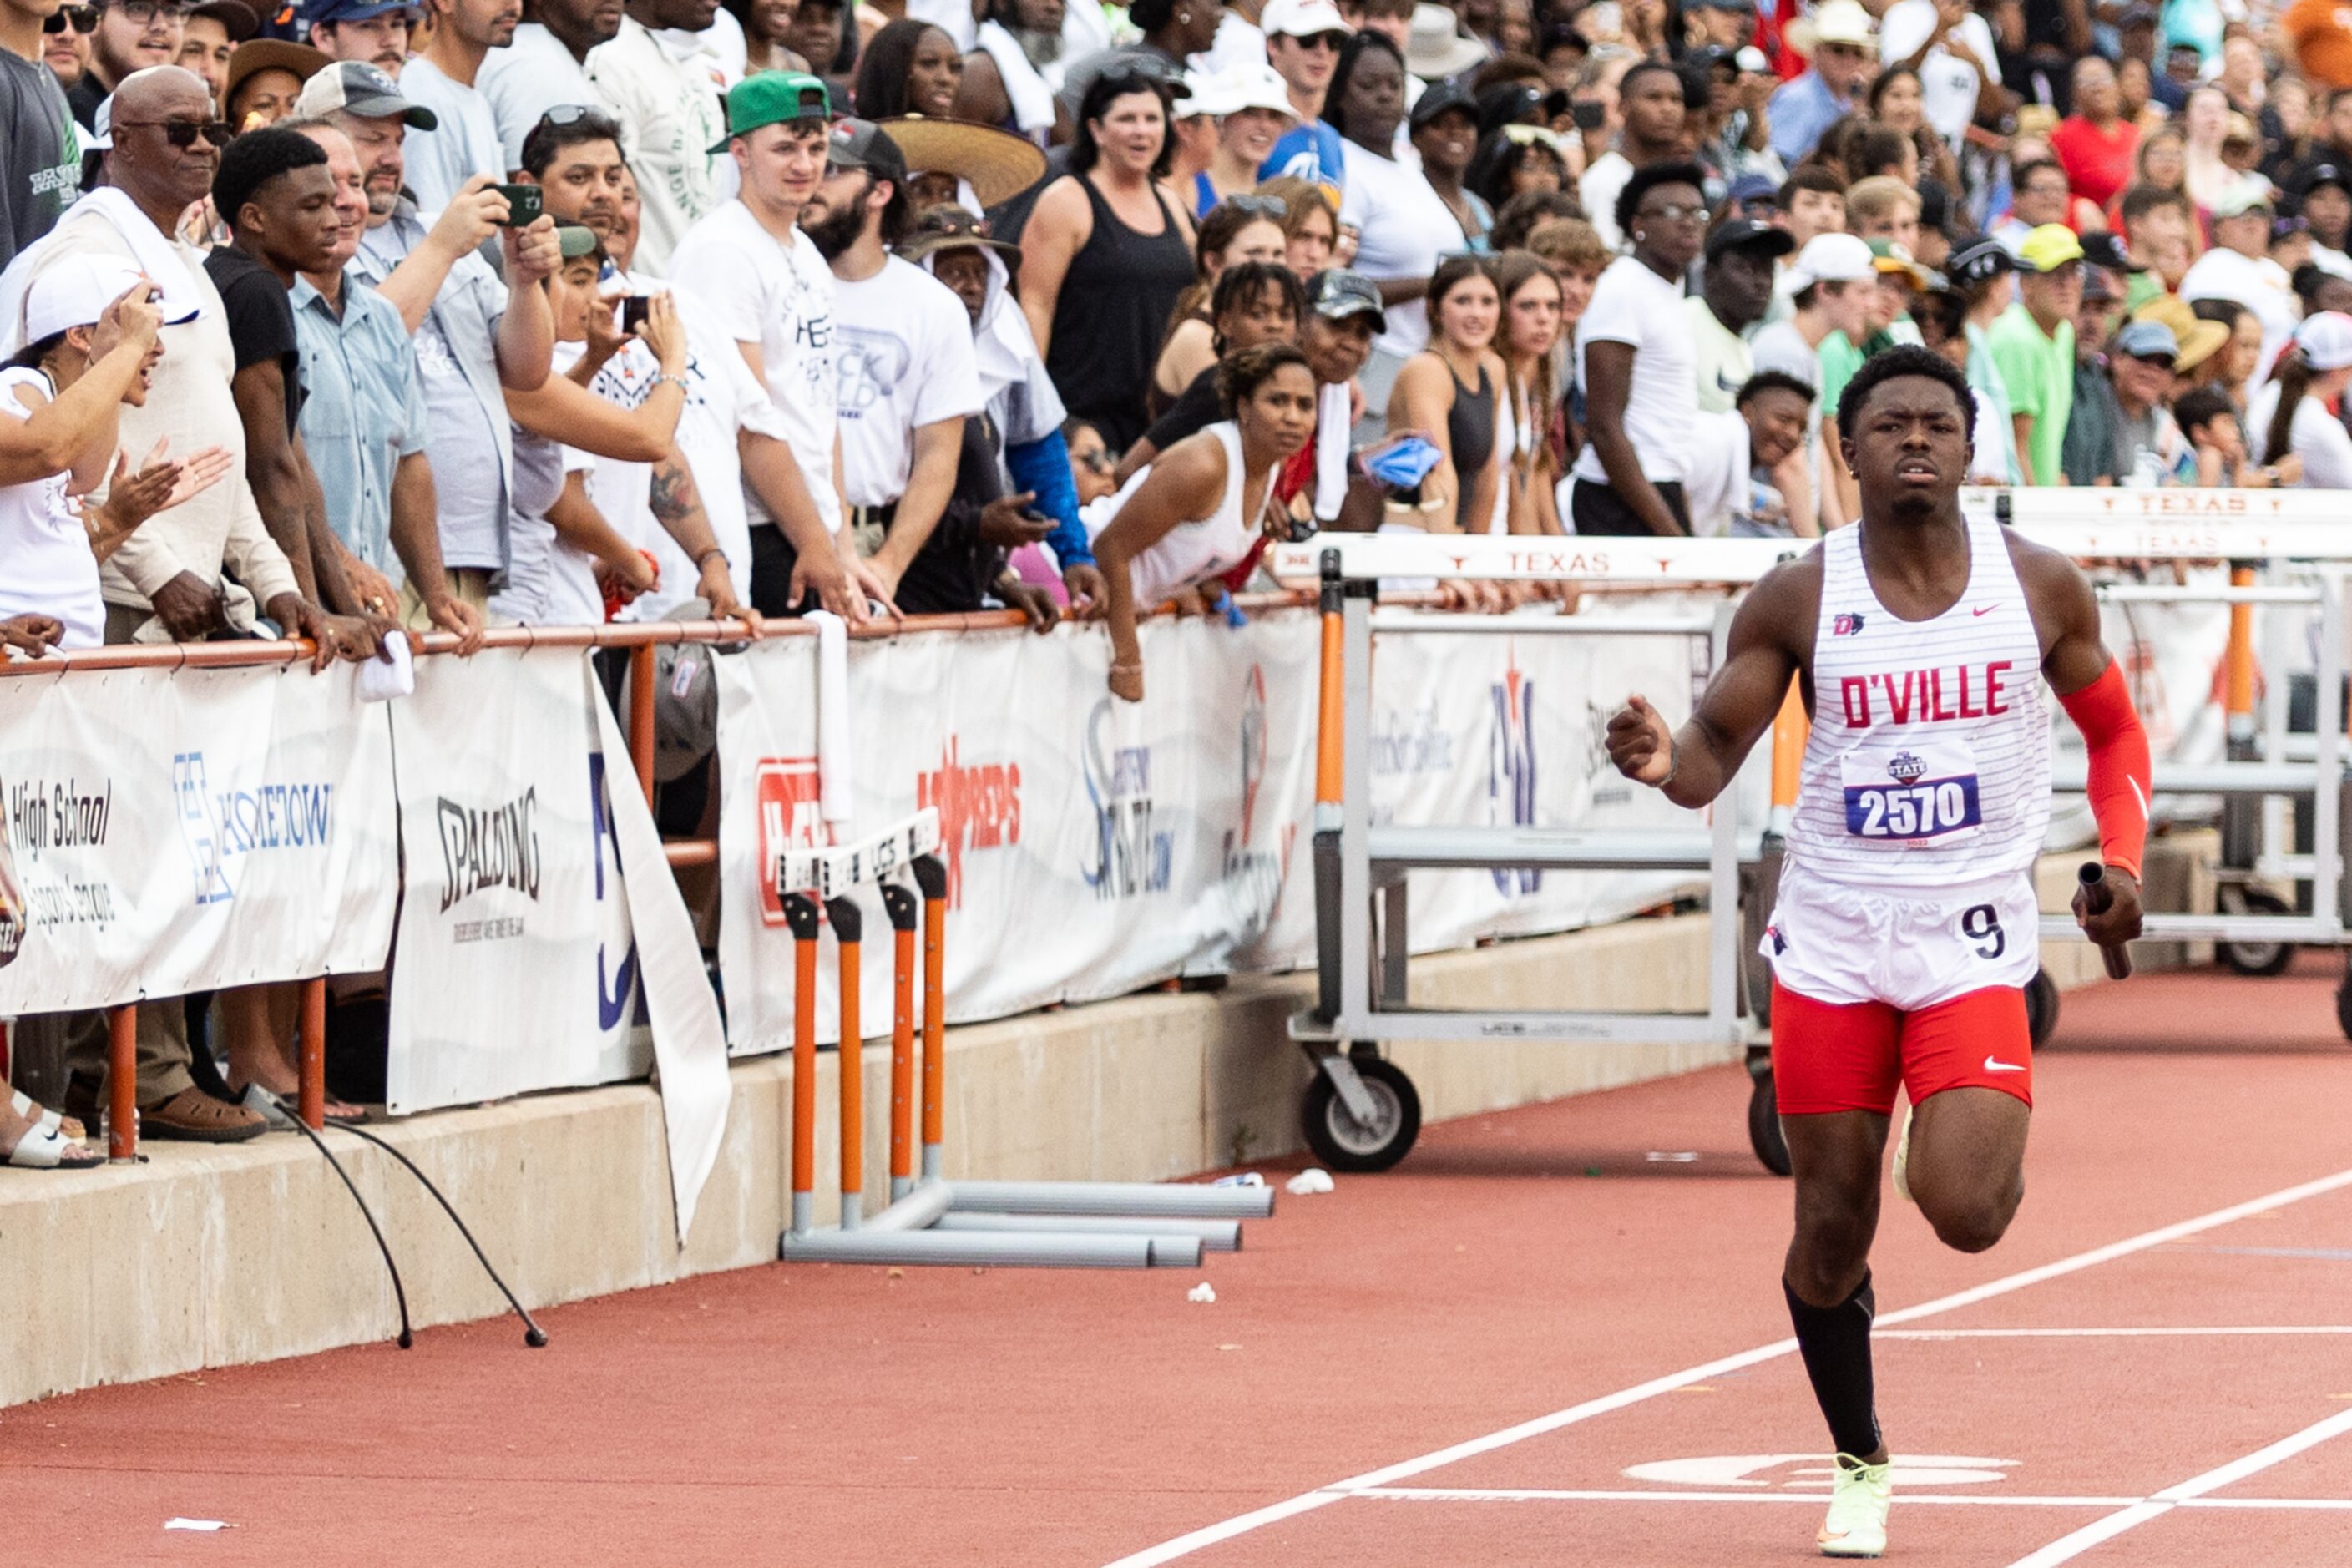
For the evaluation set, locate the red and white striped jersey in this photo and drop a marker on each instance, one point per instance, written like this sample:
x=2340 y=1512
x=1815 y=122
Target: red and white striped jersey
x=1930 y=758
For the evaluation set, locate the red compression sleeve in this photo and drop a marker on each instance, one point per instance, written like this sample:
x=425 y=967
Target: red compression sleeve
x=2121 y=772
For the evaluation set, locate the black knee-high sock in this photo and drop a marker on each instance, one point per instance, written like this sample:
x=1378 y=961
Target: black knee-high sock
x=1835 y=1343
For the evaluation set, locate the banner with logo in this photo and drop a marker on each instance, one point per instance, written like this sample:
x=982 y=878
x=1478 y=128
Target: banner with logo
x=515 y=970
x=1094 y=846
x=179 y=831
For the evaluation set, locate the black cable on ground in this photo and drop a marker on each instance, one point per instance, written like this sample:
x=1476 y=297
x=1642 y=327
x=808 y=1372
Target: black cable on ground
x=400 y=1295
x=533 y=1335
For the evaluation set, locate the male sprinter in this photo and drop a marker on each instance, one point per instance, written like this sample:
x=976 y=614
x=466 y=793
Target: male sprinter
x=1906 y=926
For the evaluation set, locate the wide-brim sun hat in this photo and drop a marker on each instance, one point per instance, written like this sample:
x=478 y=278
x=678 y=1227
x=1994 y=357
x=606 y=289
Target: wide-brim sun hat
x=997 y=164
x=2199 y=340
x=1435 y=49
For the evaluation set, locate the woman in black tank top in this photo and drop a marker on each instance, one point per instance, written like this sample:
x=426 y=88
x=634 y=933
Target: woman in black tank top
x=1449 y=392
x=1098 y=289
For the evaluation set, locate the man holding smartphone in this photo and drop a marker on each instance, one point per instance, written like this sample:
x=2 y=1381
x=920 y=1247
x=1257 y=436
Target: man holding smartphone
x=476 y=335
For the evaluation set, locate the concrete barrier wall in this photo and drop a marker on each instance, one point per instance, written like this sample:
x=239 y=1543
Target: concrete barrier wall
x=203 y=1256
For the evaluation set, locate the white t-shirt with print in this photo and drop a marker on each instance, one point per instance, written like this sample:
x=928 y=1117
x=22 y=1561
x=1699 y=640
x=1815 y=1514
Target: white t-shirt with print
x=902 y=359
x=759 y=290
x=1633 y=305
x=722 y=398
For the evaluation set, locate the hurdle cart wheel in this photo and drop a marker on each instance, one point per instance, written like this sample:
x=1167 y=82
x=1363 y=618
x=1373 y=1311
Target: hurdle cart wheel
x=2040 y=1008
x=1342 y=1142
x=1764 y=1120
x=2255 y=960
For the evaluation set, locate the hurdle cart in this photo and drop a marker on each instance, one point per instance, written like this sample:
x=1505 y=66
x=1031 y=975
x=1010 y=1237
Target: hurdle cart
x=1361 y=1111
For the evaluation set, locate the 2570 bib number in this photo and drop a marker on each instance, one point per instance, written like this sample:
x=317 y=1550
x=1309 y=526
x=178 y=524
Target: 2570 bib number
x=1925 y=809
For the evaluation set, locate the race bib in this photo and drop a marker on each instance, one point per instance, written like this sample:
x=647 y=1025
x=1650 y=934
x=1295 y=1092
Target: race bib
x=1911 y=792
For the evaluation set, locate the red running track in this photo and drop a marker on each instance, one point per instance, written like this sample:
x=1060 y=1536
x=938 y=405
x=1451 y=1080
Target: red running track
x=1530 y=1344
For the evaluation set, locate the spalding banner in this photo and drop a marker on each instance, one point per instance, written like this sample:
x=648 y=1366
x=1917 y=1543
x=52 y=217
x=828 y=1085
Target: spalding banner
x=515 y=968
x=178 y=831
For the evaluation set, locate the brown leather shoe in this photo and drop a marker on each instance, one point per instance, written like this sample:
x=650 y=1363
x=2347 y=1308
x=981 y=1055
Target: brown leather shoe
x=192 y=1116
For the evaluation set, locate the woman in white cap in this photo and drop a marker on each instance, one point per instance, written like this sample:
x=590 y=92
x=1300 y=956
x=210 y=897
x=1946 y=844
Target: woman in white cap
x=2290 y=413
x=90 y=347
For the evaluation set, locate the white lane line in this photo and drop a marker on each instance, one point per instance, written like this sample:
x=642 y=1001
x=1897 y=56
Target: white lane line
x=1322 y=1497
x=1811 y=1499
x=2067 y=1548
x=2108 y=1334
x=1538 y=1494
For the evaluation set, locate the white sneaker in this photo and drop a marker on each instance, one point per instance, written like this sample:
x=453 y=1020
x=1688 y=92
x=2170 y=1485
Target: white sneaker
x=1856 y=1526
x=1903 y=1160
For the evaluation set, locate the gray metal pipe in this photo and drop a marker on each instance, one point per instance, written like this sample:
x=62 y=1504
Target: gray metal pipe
x=918 y=1210
x=1214 y=1235
x=1154 y=1199
x=973 y=1249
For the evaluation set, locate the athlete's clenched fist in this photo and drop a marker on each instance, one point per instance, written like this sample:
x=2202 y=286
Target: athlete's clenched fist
x=1641 y=743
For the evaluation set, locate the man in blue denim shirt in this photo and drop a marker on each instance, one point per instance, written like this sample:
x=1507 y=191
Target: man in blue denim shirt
x=1836 y=43
x=363 y=421
x=473 y=338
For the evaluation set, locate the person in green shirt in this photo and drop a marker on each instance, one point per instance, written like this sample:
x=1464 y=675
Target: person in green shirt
x=2034 y=345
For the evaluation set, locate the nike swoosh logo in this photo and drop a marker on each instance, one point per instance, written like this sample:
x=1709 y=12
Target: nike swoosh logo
x=1993 y=1066
x=1984 y=609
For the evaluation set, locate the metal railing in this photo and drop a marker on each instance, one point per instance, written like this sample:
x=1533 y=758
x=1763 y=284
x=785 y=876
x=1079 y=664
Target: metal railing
x=639 y=639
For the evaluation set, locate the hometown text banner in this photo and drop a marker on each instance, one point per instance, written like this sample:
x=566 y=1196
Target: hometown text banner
x=184 y=830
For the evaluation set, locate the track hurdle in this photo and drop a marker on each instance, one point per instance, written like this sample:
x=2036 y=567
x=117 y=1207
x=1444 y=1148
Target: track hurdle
x=930 y=1220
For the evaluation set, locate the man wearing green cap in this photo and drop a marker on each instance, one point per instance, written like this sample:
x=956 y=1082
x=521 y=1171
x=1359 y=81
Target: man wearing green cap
x=768 y=287
x=2034 y=345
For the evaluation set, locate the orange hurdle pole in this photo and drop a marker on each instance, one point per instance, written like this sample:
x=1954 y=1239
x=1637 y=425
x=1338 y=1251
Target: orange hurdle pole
x=1331 y=723
x=848 y=923
x=311 y=1055
x=898 y=902
x=2238 y=679
x=122 y=1082
x=932 y=878
x=800 y=913
x=641 y=717
x=1790 y=729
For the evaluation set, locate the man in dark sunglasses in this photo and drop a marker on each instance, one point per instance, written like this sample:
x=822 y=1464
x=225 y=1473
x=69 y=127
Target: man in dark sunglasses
x=131 y=35
x=40 y=161
x=65 y=43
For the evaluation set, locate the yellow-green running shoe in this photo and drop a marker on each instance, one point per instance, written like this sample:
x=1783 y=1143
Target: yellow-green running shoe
x=1856 y=1526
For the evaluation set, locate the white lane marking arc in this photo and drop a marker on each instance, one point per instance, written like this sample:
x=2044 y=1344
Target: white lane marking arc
x=1324 y=1496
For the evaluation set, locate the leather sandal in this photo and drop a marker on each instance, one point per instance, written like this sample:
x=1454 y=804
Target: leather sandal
x=192 y=1116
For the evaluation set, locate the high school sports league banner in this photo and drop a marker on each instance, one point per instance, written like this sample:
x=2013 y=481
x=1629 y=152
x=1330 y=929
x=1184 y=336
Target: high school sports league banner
x=178 y=831
x=1094 y=845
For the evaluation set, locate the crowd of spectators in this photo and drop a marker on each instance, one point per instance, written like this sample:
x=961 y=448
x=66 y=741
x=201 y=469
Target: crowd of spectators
x=365 y=315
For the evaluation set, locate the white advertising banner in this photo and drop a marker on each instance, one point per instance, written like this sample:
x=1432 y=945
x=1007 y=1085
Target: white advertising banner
x=179 y=831
x=1094 y=847
x=515 y=970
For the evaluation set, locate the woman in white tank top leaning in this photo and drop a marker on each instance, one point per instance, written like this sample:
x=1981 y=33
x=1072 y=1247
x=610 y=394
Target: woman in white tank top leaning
x=1200 y=507
x=91 y=345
